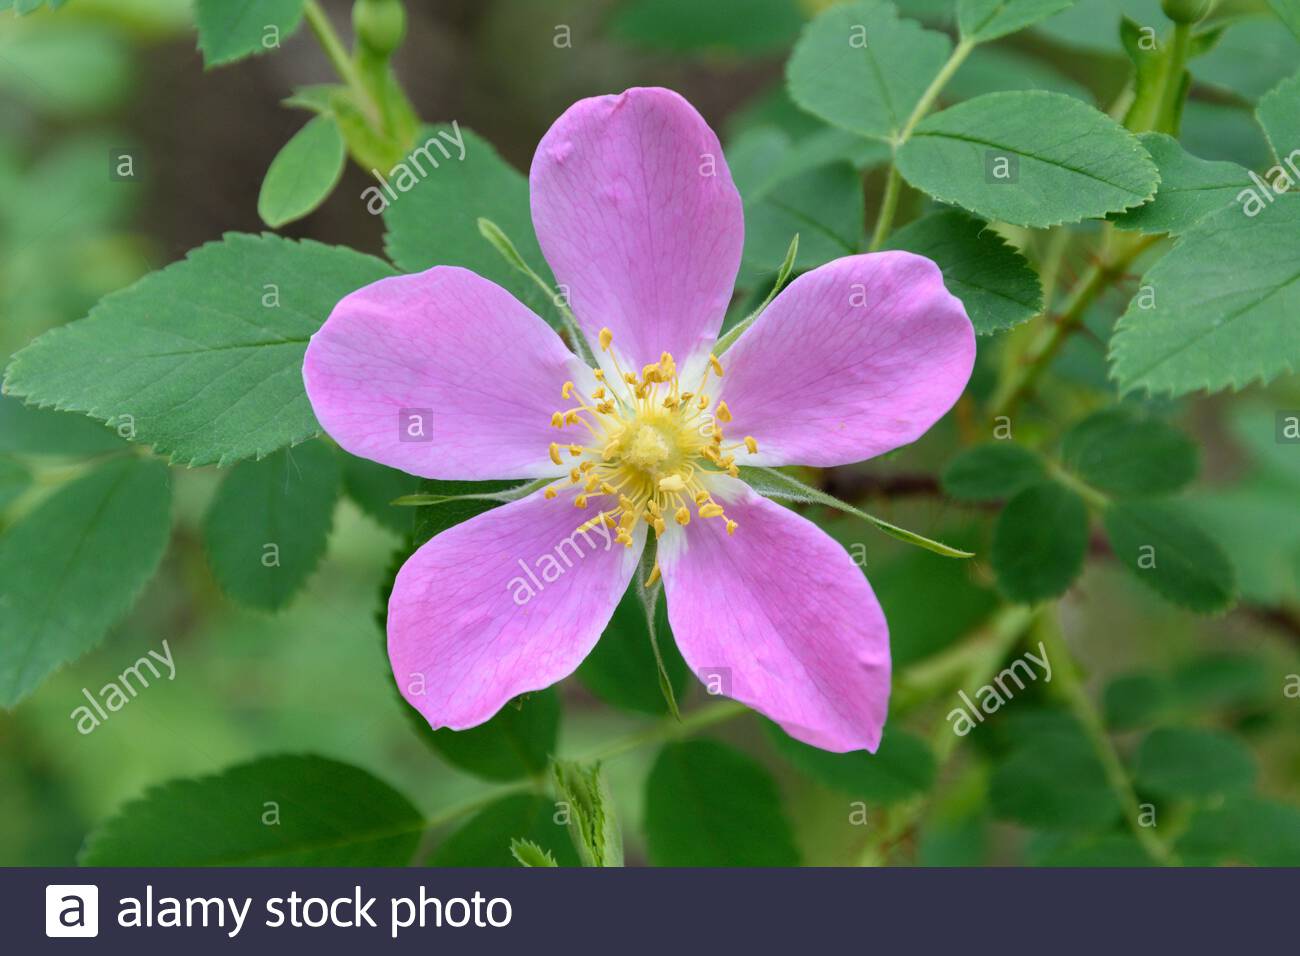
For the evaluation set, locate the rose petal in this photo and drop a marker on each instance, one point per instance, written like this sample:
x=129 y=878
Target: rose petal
x=637 y=214
x=851 y=360
x=508 y=602
x=780 y=616
x=441 y=374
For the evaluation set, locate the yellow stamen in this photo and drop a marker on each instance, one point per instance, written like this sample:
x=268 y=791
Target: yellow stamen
x=683 y=516
x=715 y=365
x=566 y=390
x=549 y=493
x=711 y=510
x=606 y=336
x=580 y=501
x=555 y=453
x=723 y=413
x=751 y=445
x=654 y=576
x=731 y=527
x=557 y=420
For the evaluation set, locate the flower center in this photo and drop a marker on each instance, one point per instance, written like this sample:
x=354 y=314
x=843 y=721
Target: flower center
x=648 y=449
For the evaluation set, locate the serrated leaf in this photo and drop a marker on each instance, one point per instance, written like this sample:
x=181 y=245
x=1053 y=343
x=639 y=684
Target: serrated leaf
x=28 y=430
x=303 y=173
x=72 y=567
x=584 y=792
x=230 y=31
x=528 y=853
x=1171 y=555
x=1227 y=306
x=1190 y=189
x=983 y=20
x=1064 y=160
x=486 y=839
x=1126 y=456
x=621 y=669
x=203 y=358
x=269 y=523
x=709 y=805
x=859 y=67
x=456 y=195
x=1039 y=542
x=1279 y=113
x=276 y=811
x=516 y=743
x=902 y=767
x=993 y=280
x=991 y=471
x=1191 y=762
x=743 y=27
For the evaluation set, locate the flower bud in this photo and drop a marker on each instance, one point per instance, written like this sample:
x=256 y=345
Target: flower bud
x=380 y=25
x=1187 y=11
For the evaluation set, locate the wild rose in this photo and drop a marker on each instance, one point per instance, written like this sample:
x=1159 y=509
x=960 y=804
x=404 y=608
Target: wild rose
x=636 y=212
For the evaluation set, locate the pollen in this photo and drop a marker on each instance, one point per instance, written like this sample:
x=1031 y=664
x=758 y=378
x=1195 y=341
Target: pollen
x=648 y=453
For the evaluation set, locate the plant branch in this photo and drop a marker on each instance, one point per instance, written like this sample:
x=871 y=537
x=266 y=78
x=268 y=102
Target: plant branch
x=337 y=53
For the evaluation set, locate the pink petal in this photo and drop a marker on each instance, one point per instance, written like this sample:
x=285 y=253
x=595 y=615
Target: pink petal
x=851 y=360
x=508 y=602
x=636 y=212
x=782 y=618
x=448 y=355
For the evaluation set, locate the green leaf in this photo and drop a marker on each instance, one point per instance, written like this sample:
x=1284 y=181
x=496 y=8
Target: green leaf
x=374 y=487
x=487 y=838
x=303 y=173
x=71 y=568
x=456 y=195
x=1136 y=700
x=24 y=7
x=903 y=766
x=269 y=523
x=983 y=20
x=1105 y=850
x=779 y=485
x=444 y=504
x=1279 y=113
x=230 y=31
x=1190 y=762
x=584 y=792
x=1158 y=98
x=995 y=69
x=1054 y=781
x=737 y=329
x=991 y=278
x=1125 y=456
x=1190 y=189
x=14 y=480
x=516 y=743
x=28 y=430
x=709 y=805
x=1243 y=830
x=202 y=359
x=528 y=853
x=1252 y=57
x=743 y=27
x=1227 y=306
x=622 y=671
x=1029 y=158
x=861 y=68
x=1222 y=680
x=994 y=470
x=1094 y=25
x=1171 y=555
x=276 y=811
x=1039 y=542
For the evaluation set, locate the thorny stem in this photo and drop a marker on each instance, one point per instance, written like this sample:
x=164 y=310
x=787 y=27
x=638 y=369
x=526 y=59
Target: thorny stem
x=1070 y=686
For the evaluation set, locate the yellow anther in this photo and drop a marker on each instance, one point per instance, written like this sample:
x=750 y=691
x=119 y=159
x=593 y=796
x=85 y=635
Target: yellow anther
x=572 y=418
x=557 y=419
x=654 y=576
x=650 y=373
x=687 y=396
x=731 y=526
x=701 y=496
x=751 y=445
x=555 y=453
x=592 y=483
x=574 y=476
x=670 y=402
x=734 y=471
x=703 y=402
x=629 y=377
x=711 y=510
x=660 y=527
x=549 y=493
x=580 y=501
x=672 y=483
x=598 y=393
x=600 y=376
x=624 y=539
x=723 y=413
x=605 y=408
x=605 y=337
x=586 y=465
x=625 y=503
x=606 y=488
x=566 y=390
x=715 y=365
x=628 y=521
x=652 y=506
x=575 y=450
x=717 y=434
x=683 y=516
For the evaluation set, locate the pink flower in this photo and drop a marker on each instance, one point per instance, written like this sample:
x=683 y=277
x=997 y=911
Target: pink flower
x=636 y=212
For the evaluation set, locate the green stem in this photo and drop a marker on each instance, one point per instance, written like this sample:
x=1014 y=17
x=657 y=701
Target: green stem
x=1171 y=80
x=893 y=182
x=1069 y=685
x=337 y=54
x=1097 y=279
